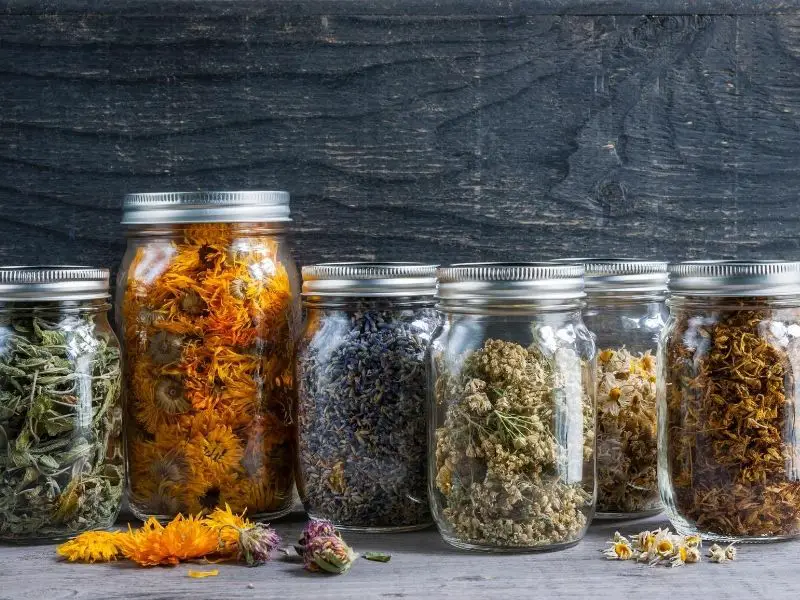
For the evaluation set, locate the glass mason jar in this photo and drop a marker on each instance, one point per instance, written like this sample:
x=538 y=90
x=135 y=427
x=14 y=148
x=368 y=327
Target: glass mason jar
x=626 y=311
x=208 y=302
x=512 y=420
x=729 y=359
x=61 y=451
x=362 y=386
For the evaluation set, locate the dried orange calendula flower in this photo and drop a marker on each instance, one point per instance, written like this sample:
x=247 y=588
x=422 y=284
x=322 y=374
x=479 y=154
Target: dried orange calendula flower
x=93 y=546
x=184 y=538
x=209 y=321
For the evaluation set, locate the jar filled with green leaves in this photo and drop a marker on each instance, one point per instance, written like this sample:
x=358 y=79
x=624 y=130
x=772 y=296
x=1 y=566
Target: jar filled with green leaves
x=512 y=419
x=626 y=311
x=728 y=438
x=61 y=457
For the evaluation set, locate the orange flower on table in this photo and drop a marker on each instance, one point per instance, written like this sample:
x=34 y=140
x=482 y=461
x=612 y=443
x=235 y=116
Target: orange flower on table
x=184 y=538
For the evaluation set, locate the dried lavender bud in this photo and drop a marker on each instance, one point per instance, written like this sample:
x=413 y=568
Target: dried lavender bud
x=515 y=451
x=362 y=423
x=626 y=432
x=257 y=543
x=329 y=554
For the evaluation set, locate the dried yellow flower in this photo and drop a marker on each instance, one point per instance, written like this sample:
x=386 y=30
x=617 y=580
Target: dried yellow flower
x=93 y=546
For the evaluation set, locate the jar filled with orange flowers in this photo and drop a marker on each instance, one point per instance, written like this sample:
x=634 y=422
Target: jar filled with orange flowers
x=209 y=314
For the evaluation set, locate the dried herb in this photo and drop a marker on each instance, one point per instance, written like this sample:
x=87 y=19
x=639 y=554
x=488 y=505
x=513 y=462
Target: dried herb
x=222 y=535
x=626 y=432
x=730 y=422
x=209 y=323
x=362 y=423
x=61 y=461
x=378 y=556
x=656 y=547
x=514 y=453
x=328 y=554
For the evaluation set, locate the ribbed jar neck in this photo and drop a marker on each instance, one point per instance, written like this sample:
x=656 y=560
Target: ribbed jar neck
x=273 y=229
x=96 y=306
x=617 y=298
x=362 y=303
x=515 y=308
x=733 y=302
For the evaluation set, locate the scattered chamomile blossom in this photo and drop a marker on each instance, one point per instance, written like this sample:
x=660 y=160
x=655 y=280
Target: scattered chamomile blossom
x=661 y=547
x=718 y=554
x=329 y=554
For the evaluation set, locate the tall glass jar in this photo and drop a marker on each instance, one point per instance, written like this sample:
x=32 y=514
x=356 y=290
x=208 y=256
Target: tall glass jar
x=362 y=389
x=512 y=420
x=61 y=455
x=208 y=302
x=626 y=312
x=729 y=445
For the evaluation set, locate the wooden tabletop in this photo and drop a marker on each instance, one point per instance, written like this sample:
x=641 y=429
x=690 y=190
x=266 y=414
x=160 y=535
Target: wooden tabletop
x=422 y=566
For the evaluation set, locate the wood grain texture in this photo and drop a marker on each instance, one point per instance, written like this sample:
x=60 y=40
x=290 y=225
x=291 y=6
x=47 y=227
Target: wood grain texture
x=422 y=566
x=438 y=138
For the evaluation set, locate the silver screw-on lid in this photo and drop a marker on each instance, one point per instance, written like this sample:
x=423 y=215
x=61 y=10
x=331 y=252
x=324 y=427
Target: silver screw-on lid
x=52 y=283
x=734 y=278
x=365 y=279
x=483 y=284
x=205 y=207
x=623 y=275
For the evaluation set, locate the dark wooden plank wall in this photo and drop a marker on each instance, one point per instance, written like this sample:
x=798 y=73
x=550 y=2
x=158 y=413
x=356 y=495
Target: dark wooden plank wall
x=507 y=131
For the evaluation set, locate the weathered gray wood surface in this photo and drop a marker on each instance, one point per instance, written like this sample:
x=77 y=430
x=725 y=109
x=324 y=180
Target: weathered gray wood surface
x=422 y=566
x=441 y=131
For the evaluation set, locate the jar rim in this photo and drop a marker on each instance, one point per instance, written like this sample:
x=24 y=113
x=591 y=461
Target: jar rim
x=153 y=208
x=622 y=275
x=368 y=280
x=735 y=278
x=44 y=283
x=503 y=283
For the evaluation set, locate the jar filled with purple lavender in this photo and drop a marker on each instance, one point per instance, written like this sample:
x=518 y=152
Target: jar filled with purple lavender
x=362 y=393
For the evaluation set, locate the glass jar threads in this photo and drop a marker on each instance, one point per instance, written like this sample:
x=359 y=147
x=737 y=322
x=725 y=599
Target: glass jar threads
x=209 y=312
x=626 y=311
x=729 y=448
x=362 y=389
x=61 y=456
x=512 y=408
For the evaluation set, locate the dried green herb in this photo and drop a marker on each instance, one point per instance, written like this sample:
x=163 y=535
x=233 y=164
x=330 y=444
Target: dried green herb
x=378 y=557
x=61 y=462
x=626 y=432
x=730 y=422
x=514 y=453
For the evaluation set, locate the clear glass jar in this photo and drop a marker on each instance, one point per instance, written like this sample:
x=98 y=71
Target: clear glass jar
x=362 y=385
x=512 y=419
x=729 y=447
x=208 y=302
x=626 y=311
x=61 y=451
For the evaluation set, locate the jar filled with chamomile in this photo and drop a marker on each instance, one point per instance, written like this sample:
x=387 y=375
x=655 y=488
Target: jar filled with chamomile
x=729 y=360
x=62 y=468
x=626 y=311
x=512 y=417
x=208 y=309
x=362 y=392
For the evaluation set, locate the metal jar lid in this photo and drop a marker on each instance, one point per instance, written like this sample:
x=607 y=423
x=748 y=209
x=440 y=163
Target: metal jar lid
x=734 y=278
x=52 y=283
x=622 y=275
x=365 y=279
x=205 y=207
x=484 y=284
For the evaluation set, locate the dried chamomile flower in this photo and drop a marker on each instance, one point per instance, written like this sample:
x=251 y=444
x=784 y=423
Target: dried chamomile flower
x=626 y=432
x=718 y=554
x=329 y=554
x=663 y=547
